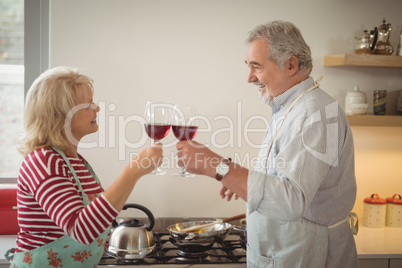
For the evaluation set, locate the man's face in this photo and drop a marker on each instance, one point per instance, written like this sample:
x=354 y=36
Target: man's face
x=271 y=80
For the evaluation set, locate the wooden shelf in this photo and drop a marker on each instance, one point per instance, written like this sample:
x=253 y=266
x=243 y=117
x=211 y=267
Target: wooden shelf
x=368 y=61
x=375 y=120
x=363 y=60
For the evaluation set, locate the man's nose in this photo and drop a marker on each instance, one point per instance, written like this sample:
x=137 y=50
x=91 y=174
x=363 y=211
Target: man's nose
x=251 y=78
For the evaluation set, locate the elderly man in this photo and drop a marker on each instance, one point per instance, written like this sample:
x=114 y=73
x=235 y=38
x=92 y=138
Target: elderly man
x=301 y=194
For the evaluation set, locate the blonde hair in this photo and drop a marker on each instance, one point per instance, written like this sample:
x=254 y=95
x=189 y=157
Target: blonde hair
x=52 y=95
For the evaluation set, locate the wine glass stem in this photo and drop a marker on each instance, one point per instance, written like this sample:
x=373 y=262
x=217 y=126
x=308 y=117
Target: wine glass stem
x=183 y=170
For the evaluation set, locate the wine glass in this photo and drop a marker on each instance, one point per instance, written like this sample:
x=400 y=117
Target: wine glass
x=184 y=127
x=157 y=124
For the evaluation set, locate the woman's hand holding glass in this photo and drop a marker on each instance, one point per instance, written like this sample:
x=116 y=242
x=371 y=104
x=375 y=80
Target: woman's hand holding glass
x=157 y=124
x=148 y=159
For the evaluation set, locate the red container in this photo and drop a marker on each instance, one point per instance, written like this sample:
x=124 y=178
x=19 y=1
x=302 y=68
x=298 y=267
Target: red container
x=8 y=209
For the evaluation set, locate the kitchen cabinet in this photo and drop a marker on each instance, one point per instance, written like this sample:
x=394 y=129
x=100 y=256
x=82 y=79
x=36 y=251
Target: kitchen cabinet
x=380 y=263
x=356 y=60
x=395 y=263
x=373 y=263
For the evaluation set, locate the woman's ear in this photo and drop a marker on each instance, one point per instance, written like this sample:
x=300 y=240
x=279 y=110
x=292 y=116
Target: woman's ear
x=293 y=65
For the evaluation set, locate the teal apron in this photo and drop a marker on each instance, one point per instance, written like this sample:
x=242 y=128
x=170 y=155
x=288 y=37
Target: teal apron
x=64 y=252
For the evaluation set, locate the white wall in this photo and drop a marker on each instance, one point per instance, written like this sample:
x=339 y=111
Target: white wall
x=183 y=51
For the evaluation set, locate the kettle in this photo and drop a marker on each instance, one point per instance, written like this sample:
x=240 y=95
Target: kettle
x=364 y=43
x=354 y=97
x=383 y=46
x=132 y=239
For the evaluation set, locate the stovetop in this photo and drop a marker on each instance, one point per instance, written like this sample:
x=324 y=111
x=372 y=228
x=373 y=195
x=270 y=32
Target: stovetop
x=230 y=251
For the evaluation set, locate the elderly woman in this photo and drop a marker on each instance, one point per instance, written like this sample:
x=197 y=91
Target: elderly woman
x=63 y=213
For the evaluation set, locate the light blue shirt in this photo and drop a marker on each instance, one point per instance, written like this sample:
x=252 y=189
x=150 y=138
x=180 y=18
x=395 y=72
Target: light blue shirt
x=308 y=173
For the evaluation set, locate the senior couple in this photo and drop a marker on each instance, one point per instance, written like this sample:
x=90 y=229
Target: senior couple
x=297 y=214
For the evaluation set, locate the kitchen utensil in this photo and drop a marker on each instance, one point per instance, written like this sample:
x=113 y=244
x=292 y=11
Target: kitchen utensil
x=131 y=239
x=205 y=227
x=196 y=242
x=394 y=211
x=374 y=209
x=242 y=229
x=363 y=44
x=383 y=46
x=355 y=96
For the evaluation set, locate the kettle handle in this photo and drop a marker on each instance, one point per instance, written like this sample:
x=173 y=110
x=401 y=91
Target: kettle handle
x=151 y=219
x=375 y=37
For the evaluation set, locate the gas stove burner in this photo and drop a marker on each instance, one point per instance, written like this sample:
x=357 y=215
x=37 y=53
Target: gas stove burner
x=130 y=261
x=192 y=254
x=192 y=248
x=190 y=257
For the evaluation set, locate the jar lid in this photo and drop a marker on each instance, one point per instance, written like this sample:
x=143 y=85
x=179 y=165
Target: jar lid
x=395 y=199
x=375 y=200
x=356 y=92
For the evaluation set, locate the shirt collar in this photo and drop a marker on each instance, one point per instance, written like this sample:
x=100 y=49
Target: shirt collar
x=281 y=100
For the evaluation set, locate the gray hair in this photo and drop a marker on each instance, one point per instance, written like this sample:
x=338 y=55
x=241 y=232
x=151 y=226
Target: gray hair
x=285 y=40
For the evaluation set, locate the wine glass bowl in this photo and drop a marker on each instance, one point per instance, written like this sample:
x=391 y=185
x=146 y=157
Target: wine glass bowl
x=184 y=127
x=183 y=133
x=157 y=131
x=157 y=124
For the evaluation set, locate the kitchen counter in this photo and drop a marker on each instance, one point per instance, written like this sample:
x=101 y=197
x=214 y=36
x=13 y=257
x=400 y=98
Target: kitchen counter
x=374 y=243
x=371 y=243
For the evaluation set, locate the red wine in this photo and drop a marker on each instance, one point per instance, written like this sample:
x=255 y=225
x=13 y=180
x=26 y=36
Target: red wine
x=157 y=131
x=184 y=132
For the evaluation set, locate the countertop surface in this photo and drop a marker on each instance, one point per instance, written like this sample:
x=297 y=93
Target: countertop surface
x=379 y=242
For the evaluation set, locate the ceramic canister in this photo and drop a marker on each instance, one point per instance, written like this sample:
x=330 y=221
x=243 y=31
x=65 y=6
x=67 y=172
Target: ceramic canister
x=374 y=211
x=355 y=96
x=394 y=211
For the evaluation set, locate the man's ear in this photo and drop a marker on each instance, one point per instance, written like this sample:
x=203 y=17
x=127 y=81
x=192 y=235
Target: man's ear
x=293 y=65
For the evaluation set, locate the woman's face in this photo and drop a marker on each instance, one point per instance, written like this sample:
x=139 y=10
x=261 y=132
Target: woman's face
x=84 y=120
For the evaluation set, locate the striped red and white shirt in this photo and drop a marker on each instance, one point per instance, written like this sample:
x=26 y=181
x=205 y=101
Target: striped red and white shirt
x=50 y=205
